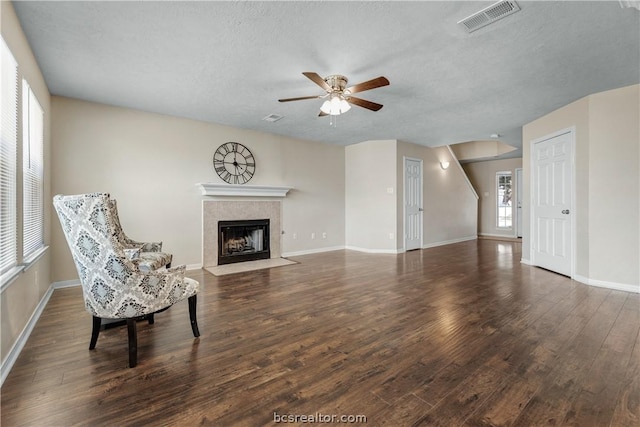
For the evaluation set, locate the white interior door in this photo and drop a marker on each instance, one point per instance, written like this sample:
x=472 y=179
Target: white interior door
x=412 y=204
x=519 y=202
x=552 y=187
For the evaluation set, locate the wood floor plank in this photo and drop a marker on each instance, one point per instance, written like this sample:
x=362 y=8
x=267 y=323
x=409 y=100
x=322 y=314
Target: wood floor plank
x=464 y=399
x=554 y=398
x=462 y=334
x=627 y=403
x=596 y=401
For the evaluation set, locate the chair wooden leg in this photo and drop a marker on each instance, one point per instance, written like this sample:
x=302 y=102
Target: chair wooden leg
x=95 y=332
x=192 y=315
x=151 y=318
x=133 y=343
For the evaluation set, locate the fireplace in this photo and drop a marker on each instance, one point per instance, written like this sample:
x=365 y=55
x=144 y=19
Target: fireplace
x=243 y=240
x=215 y=211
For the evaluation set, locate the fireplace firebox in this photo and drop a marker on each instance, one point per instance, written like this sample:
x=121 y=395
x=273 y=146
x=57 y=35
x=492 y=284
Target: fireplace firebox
x=243 y=240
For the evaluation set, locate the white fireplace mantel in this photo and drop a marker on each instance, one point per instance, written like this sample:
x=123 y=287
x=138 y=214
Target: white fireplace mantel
x=231 y=190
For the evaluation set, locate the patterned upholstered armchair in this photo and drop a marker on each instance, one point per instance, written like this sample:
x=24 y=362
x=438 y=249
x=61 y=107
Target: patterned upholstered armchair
x=147 y=254
x=113 y=285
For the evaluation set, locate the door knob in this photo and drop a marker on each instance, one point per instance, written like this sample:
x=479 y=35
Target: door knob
x=420 y=209
x=565 y=211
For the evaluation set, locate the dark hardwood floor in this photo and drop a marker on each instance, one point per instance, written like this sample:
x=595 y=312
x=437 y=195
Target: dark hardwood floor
x=457 y=335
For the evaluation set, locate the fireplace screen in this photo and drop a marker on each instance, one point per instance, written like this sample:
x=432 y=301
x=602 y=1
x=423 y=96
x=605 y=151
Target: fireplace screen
x=240 y=241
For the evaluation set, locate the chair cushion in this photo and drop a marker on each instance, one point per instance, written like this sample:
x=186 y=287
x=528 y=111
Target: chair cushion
x=148 y=261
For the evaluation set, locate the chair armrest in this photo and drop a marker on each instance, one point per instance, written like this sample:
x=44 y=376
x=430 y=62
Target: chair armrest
x=144 y=246
x=177 y=269
x=132 y=253
x=167 y=286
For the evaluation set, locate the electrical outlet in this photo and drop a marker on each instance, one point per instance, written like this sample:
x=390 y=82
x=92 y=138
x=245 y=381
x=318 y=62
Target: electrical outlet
x=324 y=235
x=295 y=236
x=313 y=236
x=391 y=236
x=36 y=278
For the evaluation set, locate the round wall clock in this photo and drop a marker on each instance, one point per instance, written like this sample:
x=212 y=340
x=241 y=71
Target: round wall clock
x=234 y=163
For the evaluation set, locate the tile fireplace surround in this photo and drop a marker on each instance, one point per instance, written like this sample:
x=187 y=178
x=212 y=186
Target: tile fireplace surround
x=214 y=211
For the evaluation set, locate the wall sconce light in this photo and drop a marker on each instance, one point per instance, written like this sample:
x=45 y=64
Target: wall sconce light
x=444 y=165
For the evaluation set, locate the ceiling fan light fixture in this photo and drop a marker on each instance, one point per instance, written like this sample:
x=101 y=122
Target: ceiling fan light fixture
x=326 y=107
x=344 y=106
x=335 y=106
x=338 y=97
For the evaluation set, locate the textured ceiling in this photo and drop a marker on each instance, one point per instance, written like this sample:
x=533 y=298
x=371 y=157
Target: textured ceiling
x=229 y=62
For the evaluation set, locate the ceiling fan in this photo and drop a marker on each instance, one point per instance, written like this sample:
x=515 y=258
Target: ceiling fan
x=339 y=95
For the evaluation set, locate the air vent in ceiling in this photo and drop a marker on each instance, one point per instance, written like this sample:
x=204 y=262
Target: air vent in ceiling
x=272 y=118
x=489 y=14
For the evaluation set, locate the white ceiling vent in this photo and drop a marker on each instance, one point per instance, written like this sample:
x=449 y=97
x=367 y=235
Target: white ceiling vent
x=489 y=14
x=272 y=118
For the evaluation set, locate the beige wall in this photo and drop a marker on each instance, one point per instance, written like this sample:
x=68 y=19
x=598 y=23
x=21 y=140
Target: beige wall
x=375 y=196
x=370 y=215
x=607 y=167
x=450 y=206
x=483 y=178
x=19 y=300
x=151 y=163
x=614 y=185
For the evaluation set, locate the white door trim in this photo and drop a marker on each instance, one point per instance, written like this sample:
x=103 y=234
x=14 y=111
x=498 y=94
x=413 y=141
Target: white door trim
x=518 y=202
x=572 y=144
x=404 y=200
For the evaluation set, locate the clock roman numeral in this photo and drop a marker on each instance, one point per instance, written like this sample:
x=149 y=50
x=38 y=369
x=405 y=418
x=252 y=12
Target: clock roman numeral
x=229 y=147
x=221 y=169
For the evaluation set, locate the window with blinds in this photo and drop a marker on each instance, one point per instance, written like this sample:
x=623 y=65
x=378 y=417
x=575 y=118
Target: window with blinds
x=8 y=159
x=32 y=172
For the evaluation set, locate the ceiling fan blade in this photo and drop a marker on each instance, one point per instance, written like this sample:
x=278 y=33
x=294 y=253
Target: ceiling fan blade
x=364 y=103
x=299 y=98
x=322 y=114
x=314 y=77
x=368 y=85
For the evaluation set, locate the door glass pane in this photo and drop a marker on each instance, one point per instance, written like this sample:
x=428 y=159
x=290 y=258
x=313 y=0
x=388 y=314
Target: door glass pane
x=504 y=203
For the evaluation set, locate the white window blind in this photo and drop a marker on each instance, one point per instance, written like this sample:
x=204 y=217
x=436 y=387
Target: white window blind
x=32 y=172
x=8 y=159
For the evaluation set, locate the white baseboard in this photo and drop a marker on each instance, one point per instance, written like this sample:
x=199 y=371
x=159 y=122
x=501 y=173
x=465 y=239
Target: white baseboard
x=609 y=285
x=375 y=251
x=525 y=261
x=448 y=242
x=194 y=266
x=66 y=284
x=17 y=347
x=312 y=251
x=510 y=236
